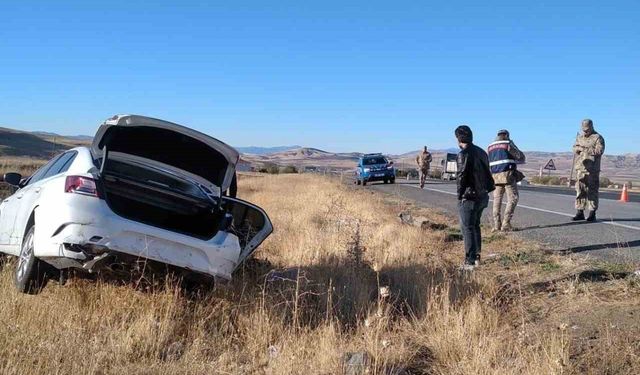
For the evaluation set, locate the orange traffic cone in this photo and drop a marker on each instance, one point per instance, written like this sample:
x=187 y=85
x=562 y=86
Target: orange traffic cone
x=624 y=197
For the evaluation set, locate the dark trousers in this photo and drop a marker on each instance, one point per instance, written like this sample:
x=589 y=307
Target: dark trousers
x=470 y=218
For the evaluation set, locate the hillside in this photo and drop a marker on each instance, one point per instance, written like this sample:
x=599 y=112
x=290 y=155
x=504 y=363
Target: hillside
x=23 y=144
x=41 y=145
x=257 y=150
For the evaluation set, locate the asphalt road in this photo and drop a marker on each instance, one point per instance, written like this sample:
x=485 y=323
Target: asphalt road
x=545 y=215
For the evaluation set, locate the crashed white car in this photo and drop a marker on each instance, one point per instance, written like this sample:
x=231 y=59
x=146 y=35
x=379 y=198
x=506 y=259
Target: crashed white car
x=145 y=189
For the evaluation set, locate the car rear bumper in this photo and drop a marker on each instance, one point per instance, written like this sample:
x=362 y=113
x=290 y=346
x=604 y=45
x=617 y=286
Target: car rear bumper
x=93 y=225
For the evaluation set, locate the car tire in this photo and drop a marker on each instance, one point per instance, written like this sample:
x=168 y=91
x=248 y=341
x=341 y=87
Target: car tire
x=29 y=275
x=358 y=182
x=385 y=181
x=393 y=180
x=364 y=183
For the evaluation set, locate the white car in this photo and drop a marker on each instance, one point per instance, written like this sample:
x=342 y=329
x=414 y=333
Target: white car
x=145 y=189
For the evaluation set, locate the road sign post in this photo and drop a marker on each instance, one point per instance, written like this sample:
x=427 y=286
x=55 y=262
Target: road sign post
x=550 y=166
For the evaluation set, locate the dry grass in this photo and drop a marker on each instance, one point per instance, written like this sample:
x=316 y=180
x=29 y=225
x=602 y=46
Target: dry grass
x=337 y=246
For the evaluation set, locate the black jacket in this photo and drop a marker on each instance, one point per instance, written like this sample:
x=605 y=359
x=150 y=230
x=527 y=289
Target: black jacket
x=474 y=174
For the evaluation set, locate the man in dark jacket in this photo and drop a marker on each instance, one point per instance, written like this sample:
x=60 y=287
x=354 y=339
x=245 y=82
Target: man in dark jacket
x=474 y=185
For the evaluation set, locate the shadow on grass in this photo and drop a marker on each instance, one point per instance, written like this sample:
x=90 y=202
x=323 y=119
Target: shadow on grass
x=592 y=275
x=347 y=292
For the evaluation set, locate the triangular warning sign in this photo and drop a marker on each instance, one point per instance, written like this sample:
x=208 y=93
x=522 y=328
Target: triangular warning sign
x=551 y=165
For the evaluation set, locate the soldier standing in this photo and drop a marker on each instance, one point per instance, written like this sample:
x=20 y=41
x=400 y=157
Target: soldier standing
x=424 y=163
x=588 y=151
x=504 y=156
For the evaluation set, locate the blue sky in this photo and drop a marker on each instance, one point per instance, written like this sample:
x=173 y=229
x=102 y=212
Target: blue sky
x=368 y=76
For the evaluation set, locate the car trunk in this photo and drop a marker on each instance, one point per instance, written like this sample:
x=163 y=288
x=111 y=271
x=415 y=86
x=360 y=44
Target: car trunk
x=157 y=198
x=172 y=177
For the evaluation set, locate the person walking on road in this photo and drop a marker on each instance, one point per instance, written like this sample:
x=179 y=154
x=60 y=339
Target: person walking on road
x=504 y=156
x=588 y=151
x=473 y=187
x=424 y=160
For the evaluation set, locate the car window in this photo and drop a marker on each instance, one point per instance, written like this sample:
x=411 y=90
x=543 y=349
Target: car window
x=373 y=161
x=41 y=172
x=67 y=165
x=58 y=166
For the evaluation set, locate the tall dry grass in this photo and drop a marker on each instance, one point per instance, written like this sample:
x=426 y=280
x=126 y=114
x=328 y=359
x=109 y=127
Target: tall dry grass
x=350 y=278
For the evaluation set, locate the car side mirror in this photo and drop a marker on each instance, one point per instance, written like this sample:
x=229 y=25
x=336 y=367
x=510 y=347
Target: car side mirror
x=390 y=163
x=13 y=179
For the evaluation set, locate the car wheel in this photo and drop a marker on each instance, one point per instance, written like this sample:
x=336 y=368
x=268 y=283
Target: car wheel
x=385 y=181
x=358 y=182
x=364 y=183
x=29 y=275
x=393 y=180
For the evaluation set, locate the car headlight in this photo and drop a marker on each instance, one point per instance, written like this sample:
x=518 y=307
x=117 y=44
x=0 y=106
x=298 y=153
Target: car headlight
x=367 y=170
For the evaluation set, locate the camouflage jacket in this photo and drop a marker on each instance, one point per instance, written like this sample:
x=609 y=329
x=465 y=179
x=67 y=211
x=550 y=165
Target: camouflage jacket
x=588 y=152
x=508 y=177
x=424 y=160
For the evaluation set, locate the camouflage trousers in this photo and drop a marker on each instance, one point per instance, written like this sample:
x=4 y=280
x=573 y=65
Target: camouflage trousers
x=587 y=190
x=424 y=172
x=500 y=222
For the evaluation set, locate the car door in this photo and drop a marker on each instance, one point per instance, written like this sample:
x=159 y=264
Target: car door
x=11 y=207
x=29 y=195
x=8 y=209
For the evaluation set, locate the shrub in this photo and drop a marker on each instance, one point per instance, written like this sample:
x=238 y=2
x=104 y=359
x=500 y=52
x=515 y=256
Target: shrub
x=605 y=182
x=549 y=180
x=269 y=168
x=412 y=172
x=288 y=169
x=435 y=173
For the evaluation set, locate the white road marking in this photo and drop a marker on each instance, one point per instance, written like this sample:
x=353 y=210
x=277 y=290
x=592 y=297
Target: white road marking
x=536 y=209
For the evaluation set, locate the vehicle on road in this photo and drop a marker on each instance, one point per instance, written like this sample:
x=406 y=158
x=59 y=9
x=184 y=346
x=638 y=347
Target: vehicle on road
x=375 y=167
x=145 y=189
x=449 y=166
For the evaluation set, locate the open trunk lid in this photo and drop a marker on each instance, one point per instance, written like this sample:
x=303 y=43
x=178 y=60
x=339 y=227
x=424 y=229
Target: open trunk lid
x=203 y=158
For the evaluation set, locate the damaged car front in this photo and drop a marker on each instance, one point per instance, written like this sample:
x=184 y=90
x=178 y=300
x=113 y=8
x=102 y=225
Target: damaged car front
x=145 y=189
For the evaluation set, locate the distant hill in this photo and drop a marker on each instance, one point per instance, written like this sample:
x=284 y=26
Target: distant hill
x=256 y=150
x=19 y=143
x=43 y=145
x=80 y=138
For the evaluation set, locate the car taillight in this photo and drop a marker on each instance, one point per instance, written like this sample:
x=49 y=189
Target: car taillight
x=81 y=185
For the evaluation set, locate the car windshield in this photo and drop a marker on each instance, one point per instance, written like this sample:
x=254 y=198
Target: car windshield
x=374 y=161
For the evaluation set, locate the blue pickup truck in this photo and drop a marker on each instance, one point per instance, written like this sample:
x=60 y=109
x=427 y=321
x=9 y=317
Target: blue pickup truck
x=375 y=167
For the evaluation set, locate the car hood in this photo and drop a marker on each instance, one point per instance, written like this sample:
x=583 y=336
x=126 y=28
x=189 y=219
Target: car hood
x=209 y=160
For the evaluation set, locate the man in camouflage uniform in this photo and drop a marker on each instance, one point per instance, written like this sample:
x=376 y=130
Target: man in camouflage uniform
x=424 y=163
x=504 y=157
x=588 y=152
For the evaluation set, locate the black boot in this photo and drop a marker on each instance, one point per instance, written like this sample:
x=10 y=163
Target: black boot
x=592 y=217
x=579 y=216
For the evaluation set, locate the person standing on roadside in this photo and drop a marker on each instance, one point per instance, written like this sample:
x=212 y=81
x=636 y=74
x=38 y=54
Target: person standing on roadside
x=424 y=160
x=588 y=151
x=504 y=158
x=473 y=187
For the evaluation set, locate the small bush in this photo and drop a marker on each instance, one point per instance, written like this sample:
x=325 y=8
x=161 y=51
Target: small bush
x=435 y=173
x=605 y=182
x=549 y=180
x=288 y=169
x=401 y=173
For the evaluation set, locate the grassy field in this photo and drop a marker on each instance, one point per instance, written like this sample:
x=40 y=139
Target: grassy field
x=341 y=274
